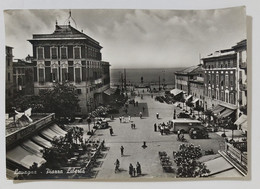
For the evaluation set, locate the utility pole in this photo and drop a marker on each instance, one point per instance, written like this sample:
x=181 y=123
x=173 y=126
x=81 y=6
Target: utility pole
x=125 y=79
x=159 y=83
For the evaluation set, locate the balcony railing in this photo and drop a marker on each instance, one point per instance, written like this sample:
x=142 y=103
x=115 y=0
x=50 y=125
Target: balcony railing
x=236 y=154
x=242 y=65
x=243 y=87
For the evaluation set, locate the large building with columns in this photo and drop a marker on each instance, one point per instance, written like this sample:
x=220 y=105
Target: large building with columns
x=68 y=55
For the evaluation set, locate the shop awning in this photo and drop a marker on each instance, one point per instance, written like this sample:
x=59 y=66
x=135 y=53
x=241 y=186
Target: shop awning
x=195 y=100
x=176 y=91
x=22 y=157
x=241 y=122
x=218 y=109
x=188 y=97
x=218 y=165
x=55 y=128
x=41 y=141
x=109 y=91
x=32 y=147
x=49 y=134
x=226 y=113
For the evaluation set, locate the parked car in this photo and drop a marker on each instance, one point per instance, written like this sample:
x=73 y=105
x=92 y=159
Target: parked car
x=196 y=133
x=183 y=115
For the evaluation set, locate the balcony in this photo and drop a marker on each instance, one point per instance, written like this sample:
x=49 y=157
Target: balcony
x=243 y=87
x=242 y=65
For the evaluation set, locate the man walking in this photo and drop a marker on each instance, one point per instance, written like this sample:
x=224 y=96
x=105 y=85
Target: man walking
x=122 y=150
x=155 y=127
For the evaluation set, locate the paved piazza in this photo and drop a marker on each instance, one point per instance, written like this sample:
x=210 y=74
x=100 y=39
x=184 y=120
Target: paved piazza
x=132 y=141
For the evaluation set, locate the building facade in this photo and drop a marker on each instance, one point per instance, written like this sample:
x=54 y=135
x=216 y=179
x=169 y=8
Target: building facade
x=221 y=80
x=9 y=77
x=68 y=55
x=197 y=91
x=183 y=77
x=241 y=50
x=23 y=82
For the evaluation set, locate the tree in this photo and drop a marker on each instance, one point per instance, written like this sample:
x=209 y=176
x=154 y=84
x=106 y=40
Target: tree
x=61 y=100
x=186 y=160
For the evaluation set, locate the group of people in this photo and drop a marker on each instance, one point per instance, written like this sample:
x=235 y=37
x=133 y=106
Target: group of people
x=133 y=172
x=132 y=125
x=122 y=119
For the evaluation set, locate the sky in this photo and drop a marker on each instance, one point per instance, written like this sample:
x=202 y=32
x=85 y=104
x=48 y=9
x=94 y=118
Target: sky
x=136 y=38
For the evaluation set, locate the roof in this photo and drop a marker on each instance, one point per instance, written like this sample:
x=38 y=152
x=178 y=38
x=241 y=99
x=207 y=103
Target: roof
x=180 y=120
x=187 y=70
x=64 y=32
x=176 y=91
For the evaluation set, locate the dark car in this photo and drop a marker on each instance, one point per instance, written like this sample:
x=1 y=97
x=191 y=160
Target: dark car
x=197 y=133
x=183 y=115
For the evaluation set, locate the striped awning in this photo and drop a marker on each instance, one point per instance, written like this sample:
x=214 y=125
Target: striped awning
x=188 y=97
x=218 y=109
x=226 y=113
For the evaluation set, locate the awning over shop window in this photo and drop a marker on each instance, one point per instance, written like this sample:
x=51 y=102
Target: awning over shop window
x=176 y=91
x=195 y=100
x=58 y=130
x=32 y=147
x=22 y=157
x=49 y=134
x=218 y=109
x=241 y=122
x=41 y=141
x=226 y=113
x=218 y=165
x=188 y=97
x=110 y=91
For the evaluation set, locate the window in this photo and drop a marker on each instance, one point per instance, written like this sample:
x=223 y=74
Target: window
x=209 y=78
x=222 y=96
x=231 y=80
x=226 y=97
x=64 y=74
x=77 y=75
x=54 y=53
x=78 y=91
x=41 y=75
x=232 y=101
x=54 y=74
x=76 y=52
x=217 y=79
x=9 y=78
x=226 y=81
x=40 y=53
x=63 y=52
x=221 y=80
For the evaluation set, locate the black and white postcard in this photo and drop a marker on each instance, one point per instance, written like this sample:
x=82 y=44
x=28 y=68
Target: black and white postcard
x=127 y=95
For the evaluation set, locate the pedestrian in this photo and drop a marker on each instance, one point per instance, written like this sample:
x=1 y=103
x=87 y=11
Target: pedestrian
x=111 y=131
x=129 y=119
x=131 y=169
x=117 y=164
x=137 y=103
x=138 y=169
x=141 y=115
x=178 y=134
x=157 y=115
x=120 y=119
x=155 y=127
x=143 y=108
x=134 y=172
x=161 y=131
x=134 y=125
x=122 y=150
